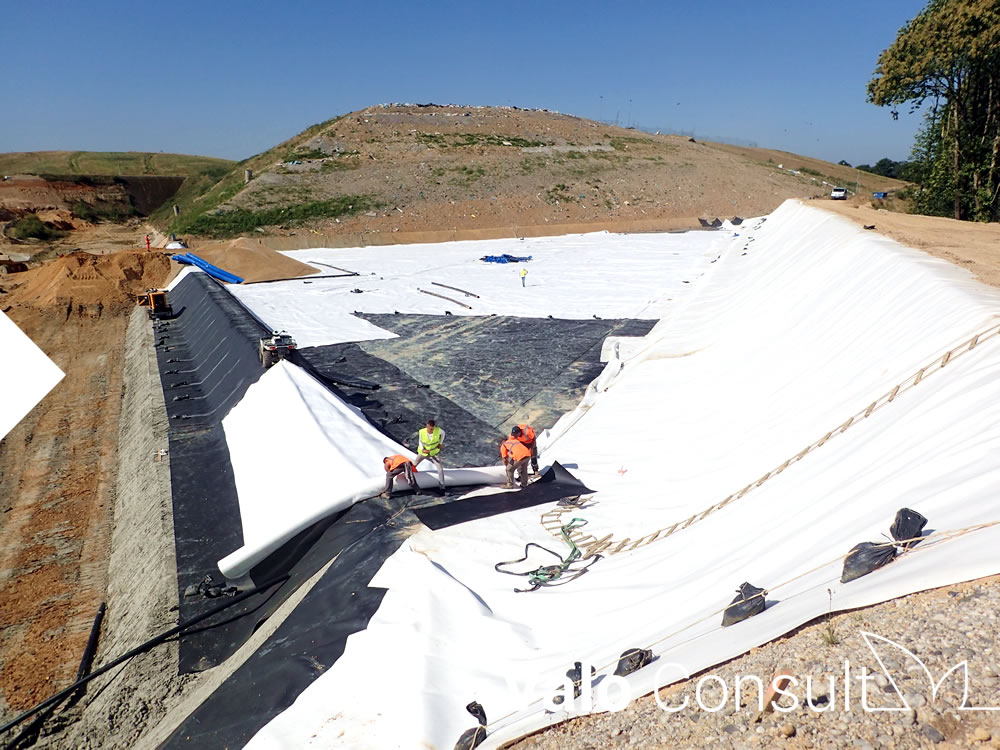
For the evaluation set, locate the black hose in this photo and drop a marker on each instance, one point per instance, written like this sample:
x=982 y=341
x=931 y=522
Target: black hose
x=30 y=733
x=91 y=649
x=155 y=641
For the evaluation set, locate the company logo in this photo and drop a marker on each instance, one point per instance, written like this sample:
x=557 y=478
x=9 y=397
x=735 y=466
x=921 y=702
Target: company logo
x=849 y=688
x=961 y=668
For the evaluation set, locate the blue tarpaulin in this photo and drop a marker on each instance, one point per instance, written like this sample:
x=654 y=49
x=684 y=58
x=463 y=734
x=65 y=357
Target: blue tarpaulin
x=506 y=258
x=214 y=271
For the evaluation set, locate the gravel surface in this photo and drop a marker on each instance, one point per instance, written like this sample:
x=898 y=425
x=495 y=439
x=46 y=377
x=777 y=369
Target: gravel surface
x=942 y=628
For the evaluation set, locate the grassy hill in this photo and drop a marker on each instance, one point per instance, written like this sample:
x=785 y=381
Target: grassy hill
x=199 y=200
x=399 y=168
x=836 y=174
x=111 y=163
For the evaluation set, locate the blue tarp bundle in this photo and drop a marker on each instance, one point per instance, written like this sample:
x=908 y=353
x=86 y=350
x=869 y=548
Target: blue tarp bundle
x=193 y=260
x=506 y=258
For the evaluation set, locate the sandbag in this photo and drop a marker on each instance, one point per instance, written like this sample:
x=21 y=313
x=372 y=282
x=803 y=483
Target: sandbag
x=866 y=557
x=472 y=738
x=576 y=677
x=633 y=659
x=749 y=601
x=908 y=525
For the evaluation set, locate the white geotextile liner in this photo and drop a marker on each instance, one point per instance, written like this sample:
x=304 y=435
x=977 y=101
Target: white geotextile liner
x=577 y=276
x=776 y=348
x=299 y=453
x=26 y=375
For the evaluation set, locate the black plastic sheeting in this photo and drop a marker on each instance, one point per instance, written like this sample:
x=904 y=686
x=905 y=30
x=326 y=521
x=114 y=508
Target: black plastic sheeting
x=207 y=358
x=477 y=376
x=314 y=635
x=555 y=484
x=402 y=405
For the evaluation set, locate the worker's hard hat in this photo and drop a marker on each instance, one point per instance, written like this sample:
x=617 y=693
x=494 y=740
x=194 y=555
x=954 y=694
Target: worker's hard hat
x=515 y=432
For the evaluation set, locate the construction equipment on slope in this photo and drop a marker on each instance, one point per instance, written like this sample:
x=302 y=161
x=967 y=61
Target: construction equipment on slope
x=155 y=300
x=275 y=347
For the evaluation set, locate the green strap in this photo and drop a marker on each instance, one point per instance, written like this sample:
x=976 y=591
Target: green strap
x=549 y=573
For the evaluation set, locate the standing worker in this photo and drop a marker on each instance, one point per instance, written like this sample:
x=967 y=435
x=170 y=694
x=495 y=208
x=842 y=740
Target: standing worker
x=524 y=272
x=525 y=434
x=394 y=466
x=147 y=243
x=515 y=455
x=431 y=439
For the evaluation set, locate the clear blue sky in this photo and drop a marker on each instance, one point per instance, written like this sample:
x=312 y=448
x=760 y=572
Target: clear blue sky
x=232 y=79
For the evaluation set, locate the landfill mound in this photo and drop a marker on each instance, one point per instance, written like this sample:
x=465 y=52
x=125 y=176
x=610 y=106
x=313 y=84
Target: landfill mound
x=252 y=261
x=79 y=278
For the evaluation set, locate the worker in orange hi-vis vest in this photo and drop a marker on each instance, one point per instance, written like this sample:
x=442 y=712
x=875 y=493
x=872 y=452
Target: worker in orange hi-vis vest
x=515 y=455
x=526 y=434
x=394 y=466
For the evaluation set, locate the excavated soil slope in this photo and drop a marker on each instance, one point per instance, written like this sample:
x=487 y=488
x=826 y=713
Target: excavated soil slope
x=80 y=281
x=57 y=467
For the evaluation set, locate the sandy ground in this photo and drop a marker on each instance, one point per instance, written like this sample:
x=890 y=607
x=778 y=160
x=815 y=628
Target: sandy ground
x=252 y=260
x=975 y=247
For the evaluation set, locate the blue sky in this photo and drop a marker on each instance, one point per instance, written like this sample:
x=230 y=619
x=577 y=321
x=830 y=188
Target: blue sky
x=232 y=79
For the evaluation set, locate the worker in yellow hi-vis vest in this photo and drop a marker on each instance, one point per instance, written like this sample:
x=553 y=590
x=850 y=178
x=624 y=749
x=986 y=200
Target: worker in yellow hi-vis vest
x=431 y=439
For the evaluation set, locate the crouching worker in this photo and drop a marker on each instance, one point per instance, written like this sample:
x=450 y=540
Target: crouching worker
x=515 y=455
x=394 y=466
x=525 y=433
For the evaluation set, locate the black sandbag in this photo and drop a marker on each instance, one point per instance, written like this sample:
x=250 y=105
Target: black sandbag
x=908 y=525
x=632 y=660
x=866 y=557
x=472 y=738
x=749 y=601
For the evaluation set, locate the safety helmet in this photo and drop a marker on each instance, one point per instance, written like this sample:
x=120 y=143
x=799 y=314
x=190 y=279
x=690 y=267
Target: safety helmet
x=515 y=432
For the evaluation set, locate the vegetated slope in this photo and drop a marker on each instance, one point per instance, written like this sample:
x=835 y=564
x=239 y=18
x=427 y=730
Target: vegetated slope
x=396 y=167
x=48 y=193
x=110 y=163
x=836 y=174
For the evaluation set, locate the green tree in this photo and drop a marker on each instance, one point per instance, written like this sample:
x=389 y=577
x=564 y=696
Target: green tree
x=949 y=57
x=885 y=167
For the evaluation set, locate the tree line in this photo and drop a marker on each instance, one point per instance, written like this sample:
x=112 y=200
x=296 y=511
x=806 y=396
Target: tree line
x=899 y=170
x=946 y=61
